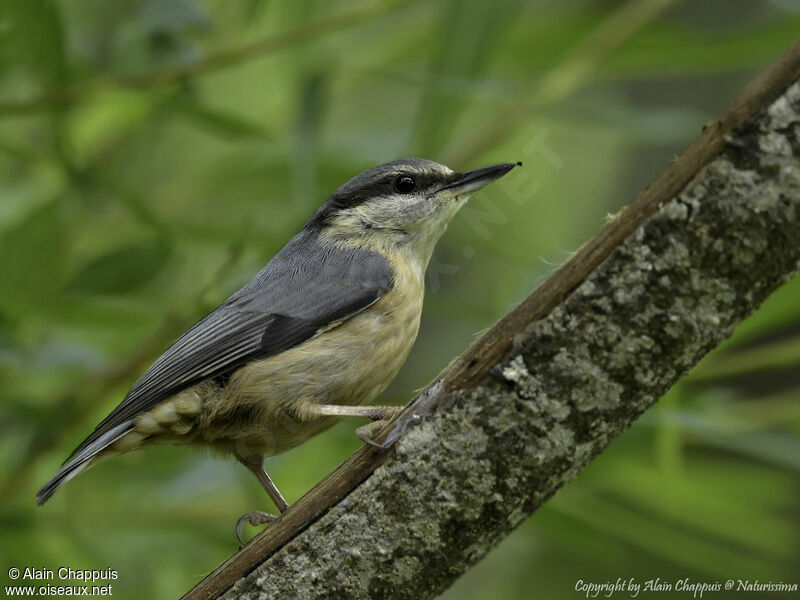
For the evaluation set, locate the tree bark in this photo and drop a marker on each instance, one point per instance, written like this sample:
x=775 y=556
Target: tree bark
x=551 y=385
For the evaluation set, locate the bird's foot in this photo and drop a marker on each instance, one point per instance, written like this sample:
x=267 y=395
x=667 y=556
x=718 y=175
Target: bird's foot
x=368 y=432
x=379 y=415
x=256 y=517
x=380 y=418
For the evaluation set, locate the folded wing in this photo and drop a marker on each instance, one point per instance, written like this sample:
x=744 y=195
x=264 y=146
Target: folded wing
x=306 y=288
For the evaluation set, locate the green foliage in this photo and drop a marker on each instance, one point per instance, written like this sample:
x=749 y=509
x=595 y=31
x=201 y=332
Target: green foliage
x=32 y=254
x=121 y=270
x=34 y=41
x=145 y=174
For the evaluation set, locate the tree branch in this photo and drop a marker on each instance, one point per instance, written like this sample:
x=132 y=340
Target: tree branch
x=548 y=388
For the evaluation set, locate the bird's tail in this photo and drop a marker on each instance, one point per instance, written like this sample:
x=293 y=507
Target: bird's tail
x=81 y=460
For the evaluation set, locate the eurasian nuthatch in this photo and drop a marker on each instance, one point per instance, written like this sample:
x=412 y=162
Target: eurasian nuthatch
x=320 y=331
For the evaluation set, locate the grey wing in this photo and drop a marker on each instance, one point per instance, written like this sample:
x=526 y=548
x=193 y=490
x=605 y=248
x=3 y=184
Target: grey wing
x=301 y=291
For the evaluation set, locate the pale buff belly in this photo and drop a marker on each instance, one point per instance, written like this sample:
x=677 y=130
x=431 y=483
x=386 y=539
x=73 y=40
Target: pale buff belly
x=266 y=407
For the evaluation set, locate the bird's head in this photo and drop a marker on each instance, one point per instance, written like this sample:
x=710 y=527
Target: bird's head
x=408 y=201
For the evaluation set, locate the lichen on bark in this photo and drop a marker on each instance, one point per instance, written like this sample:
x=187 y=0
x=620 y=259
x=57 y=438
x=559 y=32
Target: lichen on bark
x=464 y=477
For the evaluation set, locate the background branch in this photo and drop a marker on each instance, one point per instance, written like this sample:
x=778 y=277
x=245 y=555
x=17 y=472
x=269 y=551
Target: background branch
x=574 y=71
x=82 y=399
x=549 y=387
x=213 y=62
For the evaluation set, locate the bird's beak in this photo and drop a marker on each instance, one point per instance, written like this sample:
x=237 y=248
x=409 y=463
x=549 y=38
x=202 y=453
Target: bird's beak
x=469 y=181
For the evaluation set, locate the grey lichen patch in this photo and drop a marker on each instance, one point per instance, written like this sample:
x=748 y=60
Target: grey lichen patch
x=782 y=113
x=775 y=143
x=516 y=371
x=464 y=477
x=592 y=389
x=789 y=177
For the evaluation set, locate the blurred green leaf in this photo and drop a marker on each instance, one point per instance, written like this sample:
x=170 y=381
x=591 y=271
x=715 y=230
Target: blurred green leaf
x=665 y=540
x=28 y=191
x=86 y=312
x=778 y=355
x=32 y=38
x=33 y=254
x=705 y=504
x=174 y=16
x=104 y=121
x=697 y=51
x=312 y=104
x=121 y=270
x=218 y=121
x=467 y=33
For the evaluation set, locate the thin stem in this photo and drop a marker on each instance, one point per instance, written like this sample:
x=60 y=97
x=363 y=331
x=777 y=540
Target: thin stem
x=574 y=71
x=93 y=389
x=213 y=62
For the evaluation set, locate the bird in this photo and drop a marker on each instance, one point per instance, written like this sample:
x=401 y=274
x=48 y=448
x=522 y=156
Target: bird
x=315 y=336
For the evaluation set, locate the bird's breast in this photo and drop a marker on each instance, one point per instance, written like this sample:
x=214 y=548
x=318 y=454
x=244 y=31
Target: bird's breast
x=351 y=363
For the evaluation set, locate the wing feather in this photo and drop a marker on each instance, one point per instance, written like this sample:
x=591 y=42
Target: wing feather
x=303 y=290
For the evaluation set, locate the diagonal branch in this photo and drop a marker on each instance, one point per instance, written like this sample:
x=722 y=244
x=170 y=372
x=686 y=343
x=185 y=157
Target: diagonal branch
x=551 y=385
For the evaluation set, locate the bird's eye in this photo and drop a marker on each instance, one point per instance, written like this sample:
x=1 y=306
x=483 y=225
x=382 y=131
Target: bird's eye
x=405 y=184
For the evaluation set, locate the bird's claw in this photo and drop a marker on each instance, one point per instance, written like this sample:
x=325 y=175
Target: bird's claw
x=255 y=517
x=367 y=433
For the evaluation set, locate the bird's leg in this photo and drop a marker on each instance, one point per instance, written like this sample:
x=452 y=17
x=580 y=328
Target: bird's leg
x=257 y=468
x=375 y=413
x=380 y=416
x=259 y=517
